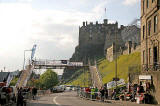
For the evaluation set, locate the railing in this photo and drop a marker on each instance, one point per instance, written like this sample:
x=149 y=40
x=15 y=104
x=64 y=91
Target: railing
x=89 y=95
x=154 y=67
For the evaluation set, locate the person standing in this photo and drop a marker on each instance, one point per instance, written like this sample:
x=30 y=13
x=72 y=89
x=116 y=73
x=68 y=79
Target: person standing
x=20 y=97
x=34 y=93
x=102 y=93
x=106 y=93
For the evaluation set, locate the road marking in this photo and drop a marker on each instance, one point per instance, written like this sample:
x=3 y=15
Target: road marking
x=54 y=100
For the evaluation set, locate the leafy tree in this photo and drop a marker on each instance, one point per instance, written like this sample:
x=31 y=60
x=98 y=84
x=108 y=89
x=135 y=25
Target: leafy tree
x=14 y=81
x=48 y=79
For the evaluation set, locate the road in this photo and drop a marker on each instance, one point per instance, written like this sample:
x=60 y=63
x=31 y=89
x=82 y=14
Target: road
x=71 y=99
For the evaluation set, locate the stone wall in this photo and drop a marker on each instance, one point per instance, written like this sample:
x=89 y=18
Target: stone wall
x=111 y=52
x=92 y=40
x=131 y=48
x=131 y=33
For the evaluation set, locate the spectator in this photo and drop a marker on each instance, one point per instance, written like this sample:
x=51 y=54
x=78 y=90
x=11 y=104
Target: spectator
x=93 y=93
x=20 y=98
x=96 y=92
x=34 y=92
x=106 y=93
x=102 y=91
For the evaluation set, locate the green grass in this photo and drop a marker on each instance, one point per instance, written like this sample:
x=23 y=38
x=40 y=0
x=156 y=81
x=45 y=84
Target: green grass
x=107 y=69
x=82 y=80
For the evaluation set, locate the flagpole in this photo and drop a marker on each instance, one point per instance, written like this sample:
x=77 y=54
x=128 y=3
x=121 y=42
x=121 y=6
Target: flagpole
x=105 y=13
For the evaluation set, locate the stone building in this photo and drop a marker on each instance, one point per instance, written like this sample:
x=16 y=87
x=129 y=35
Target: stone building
x=131 y=33
x=150 y=42
x=93 y=39
x=127 y=40
x=150 y=33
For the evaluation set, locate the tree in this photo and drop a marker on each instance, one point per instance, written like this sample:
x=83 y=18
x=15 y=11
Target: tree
x=48 y=79
x=14 y=81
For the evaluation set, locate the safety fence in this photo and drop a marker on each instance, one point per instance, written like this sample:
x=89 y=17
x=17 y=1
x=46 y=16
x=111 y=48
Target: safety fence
x=91 y=95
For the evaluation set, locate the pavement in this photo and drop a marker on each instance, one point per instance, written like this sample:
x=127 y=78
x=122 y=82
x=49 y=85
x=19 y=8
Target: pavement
x=71 y=99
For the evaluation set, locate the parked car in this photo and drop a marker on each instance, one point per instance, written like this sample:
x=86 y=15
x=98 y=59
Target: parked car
x=57 y=89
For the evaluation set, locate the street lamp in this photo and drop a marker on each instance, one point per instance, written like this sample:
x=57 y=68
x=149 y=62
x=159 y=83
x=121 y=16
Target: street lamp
x=32 y=54
x=24 y=57
x=116 y=79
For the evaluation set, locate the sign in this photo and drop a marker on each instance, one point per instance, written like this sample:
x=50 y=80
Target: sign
x=112 y=84
x=145 y=77
x=75 y=64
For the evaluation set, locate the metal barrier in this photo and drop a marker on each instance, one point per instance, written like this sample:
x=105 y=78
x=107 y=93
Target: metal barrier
x=89 y=95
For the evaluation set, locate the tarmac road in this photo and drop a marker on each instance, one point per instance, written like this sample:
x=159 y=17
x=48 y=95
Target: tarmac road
x=71 y=99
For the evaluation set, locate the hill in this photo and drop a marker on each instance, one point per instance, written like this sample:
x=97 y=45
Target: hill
x=125 y=64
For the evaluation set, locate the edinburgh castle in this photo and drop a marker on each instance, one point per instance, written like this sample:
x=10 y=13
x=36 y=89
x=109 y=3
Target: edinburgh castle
x=95 y=39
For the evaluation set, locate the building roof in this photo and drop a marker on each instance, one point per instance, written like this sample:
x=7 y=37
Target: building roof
x=4 y=75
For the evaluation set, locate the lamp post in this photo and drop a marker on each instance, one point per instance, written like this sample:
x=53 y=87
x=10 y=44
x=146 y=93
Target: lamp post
x=24 y=57
x=116 y=59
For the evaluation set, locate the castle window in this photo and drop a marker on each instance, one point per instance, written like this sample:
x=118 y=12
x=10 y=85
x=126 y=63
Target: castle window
x=143 y=31
x=149 y=55
x=144 y=57
x=147 y=3
x=149 y=28
x=155 y=55
x=155 y=24
x=143 y=6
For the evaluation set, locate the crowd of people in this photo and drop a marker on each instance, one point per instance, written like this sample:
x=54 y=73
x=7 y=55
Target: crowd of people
x=20 y=95
x=94 y=93
x=135 y=93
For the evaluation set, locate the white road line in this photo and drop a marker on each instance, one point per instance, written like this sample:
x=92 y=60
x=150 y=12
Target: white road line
x=54 y=100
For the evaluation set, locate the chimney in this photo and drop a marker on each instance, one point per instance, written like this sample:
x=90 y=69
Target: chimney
x=83 y=23
x=105 y=21
x=96 y=22
x=86 y=23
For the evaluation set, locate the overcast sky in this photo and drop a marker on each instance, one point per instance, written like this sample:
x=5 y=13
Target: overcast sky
x=53 y=25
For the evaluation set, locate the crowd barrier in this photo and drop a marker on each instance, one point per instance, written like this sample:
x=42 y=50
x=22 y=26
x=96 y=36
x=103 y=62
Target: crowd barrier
x=90 y=95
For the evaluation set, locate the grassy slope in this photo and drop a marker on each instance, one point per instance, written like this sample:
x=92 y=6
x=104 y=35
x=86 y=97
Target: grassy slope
x=107 y=69
x=81 y=80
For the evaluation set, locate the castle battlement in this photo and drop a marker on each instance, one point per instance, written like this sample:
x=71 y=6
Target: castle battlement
x=97 y=24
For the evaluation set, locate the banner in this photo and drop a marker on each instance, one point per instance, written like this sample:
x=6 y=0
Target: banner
x=112 y=84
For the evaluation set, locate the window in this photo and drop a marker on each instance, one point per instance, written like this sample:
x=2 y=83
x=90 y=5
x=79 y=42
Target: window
x=143 y=5
x=147 y=3
x=143 y=56
x=143 y=31
x=149 y=28
x=155 y=24
x=149 y=55
x=155 y=55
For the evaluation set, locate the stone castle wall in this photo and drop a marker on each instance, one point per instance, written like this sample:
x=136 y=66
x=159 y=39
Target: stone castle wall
x=127 y=41
x=92 y=40
x=131 y=50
